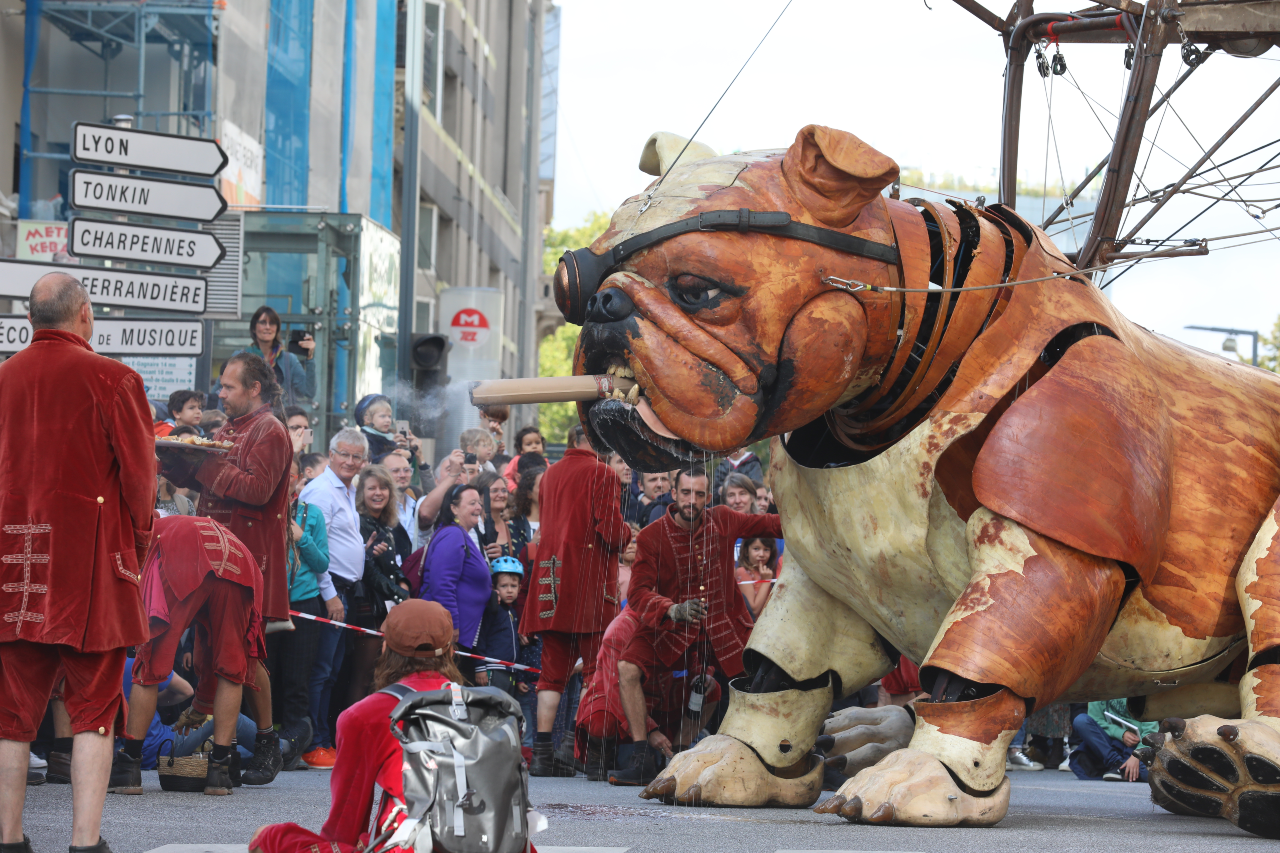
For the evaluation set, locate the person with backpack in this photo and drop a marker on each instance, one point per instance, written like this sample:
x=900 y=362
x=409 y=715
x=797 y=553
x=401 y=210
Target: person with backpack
x=416 y=652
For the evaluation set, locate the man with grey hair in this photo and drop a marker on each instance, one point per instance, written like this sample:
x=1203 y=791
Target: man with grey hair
x=334 y=494
x=72 y=537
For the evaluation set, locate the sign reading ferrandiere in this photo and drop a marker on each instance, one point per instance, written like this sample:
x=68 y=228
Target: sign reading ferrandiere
x=179 y=247
x=122 y=288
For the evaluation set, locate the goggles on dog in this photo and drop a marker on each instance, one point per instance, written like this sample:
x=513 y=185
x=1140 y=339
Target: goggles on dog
x=581 y=271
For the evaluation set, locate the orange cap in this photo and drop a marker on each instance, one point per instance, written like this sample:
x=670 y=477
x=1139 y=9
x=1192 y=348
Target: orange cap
x=418 y=629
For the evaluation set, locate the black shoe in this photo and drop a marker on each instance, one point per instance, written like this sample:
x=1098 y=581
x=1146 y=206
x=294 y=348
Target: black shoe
x=126 y=774
x=565 y=755
x=23 y=846
x=547 y=764
x=236 y=781
x=296 y=740
x=59 y=770
x=601 y=755
x=265 y=765
x=100 y=847
x=642 y=770
x=34 y=777
x=217 y=779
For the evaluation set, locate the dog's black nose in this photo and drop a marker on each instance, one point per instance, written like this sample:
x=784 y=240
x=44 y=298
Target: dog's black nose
x=609 y=306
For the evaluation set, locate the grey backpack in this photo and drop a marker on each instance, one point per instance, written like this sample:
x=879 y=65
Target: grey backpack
x=466 y=788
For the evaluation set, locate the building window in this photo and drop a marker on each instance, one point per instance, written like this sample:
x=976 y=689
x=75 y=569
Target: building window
x=427 y=223
x=423 y=310
x=433 y=61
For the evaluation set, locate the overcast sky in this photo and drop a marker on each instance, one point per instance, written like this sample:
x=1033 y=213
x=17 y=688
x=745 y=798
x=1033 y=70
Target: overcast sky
x=925 y=88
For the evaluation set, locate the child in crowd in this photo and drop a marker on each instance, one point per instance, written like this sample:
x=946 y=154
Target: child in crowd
x=479 y=442
x=313 y=465
x=527 y=441
x=498 y=635
x=626 y=560
x=757 y=566
x=185 y=409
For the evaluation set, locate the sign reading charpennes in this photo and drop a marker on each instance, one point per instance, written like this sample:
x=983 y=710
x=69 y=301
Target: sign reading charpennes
x=111 y=286
x=179 y=247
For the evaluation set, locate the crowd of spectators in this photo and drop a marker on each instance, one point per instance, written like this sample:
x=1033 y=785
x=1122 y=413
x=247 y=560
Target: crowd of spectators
x=372 y=523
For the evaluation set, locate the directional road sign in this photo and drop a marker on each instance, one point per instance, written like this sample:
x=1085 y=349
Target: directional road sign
x=106 y=145
x=119 y=337
x=179 y=247
x=94 y=190
x=111 y=285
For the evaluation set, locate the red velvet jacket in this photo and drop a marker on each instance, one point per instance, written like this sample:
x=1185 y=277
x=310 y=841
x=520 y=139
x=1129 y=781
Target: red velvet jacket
x=573 y=585
x=674 y=565
x=78 y=489
x=247 y=491
x=602 y=692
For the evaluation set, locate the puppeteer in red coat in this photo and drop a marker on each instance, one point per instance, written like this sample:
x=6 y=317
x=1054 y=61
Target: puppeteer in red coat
x=77 y=458
x=674 y=565
x=247 y=491
x=573 y=587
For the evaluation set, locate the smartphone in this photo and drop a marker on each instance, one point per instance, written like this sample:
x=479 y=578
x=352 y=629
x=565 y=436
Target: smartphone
x=402 y=427
x=295 y=342
x=307 y=435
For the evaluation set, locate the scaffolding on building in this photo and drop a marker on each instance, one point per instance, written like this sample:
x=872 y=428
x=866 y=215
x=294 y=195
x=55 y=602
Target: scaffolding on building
x=106 y=29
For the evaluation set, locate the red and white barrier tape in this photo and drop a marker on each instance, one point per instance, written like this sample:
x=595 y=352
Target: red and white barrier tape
x=374 y=633
x=754 y=583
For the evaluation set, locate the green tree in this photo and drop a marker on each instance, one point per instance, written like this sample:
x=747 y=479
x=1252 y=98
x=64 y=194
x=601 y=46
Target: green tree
x=555 y=358
x=556 y=240
x=1268 y=349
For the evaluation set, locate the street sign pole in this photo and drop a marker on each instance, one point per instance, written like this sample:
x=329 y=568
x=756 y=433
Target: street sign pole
x=413 y=59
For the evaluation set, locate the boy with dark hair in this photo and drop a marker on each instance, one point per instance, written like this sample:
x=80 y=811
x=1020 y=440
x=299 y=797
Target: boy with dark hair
x=185 y=409
x=499 y=628
x=313 y=465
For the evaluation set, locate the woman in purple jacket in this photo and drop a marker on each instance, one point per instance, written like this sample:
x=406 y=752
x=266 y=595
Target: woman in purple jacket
x=455 y=572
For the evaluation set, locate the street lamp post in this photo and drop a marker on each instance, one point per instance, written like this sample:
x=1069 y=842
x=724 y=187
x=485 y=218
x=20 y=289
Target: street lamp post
x=1251 y=333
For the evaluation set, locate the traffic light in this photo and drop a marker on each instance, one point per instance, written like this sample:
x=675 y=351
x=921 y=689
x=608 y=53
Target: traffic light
x=430 y=378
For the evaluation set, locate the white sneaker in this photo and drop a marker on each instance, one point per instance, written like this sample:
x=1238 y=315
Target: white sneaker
x=1065 y=766
x=35 y=762
x=1016 y=760
x=1112 y=776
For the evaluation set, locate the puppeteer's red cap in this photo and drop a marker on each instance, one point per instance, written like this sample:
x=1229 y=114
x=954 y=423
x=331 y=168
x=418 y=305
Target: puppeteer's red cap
x=418 y=629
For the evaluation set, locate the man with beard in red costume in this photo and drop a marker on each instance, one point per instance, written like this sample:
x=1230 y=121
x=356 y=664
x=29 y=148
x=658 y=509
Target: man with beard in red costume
x=72 y=536
x=247 y=492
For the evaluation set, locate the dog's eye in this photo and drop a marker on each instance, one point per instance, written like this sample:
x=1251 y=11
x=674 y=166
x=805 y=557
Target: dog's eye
x=693 y=293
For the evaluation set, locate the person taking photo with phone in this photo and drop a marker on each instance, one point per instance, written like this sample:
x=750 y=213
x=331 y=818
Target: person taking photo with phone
x=294 y=367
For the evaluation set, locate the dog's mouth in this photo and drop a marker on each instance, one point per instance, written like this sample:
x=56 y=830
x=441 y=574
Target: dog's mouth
x=627 y=424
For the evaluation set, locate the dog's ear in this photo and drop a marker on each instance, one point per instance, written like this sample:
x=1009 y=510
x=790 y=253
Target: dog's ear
x=661 y=150
x=834 y=174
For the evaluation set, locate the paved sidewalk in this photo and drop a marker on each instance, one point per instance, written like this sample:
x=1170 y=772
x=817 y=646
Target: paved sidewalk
x=1049 y=811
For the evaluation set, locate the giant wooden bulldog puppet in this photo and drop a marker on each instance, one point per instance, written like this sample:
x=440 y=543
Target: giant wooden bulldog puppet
x=1017 y=487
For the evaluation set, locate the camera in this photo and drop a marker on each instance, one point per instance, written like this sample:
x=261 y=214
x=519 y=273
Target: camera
x=295 y=342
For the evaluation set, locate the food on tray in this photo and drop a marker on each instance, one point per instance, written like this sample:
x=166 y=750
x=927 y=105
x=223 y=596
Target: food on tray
x=196 y=441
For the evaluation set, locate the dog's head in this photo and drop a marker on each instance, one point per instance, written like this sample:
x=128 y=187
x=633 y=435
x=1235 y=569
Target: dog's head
x=731 y=332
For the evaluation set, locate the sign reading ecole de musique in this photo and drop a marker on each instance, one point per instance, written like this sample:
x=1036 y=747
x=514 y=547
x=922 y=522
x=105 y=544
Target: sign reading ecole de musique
x=119 y=337
x=119 y=288
x=91 y=190
x=106 y=145
x=179 y=247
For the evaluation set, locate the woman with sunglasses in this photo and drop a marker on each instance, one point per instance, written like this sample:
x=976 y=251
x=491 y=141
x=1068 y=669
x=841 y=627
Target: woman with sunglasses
x=455 y=572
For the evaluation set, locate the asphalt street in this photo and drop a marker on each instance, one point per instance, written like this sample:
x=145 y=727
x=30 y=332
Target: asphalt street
x=1049 y=811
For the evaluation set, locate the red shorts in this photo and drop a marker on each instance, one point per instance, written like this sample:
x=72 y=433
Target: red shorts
x=220 y=610
x=560 y=651
x=28 y=673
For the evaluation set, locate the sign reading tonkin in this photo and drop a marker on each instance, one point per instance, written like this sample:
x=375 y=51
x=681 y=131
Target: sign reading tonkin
x=92 y=190
x=179 y=247
x=105 y=145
